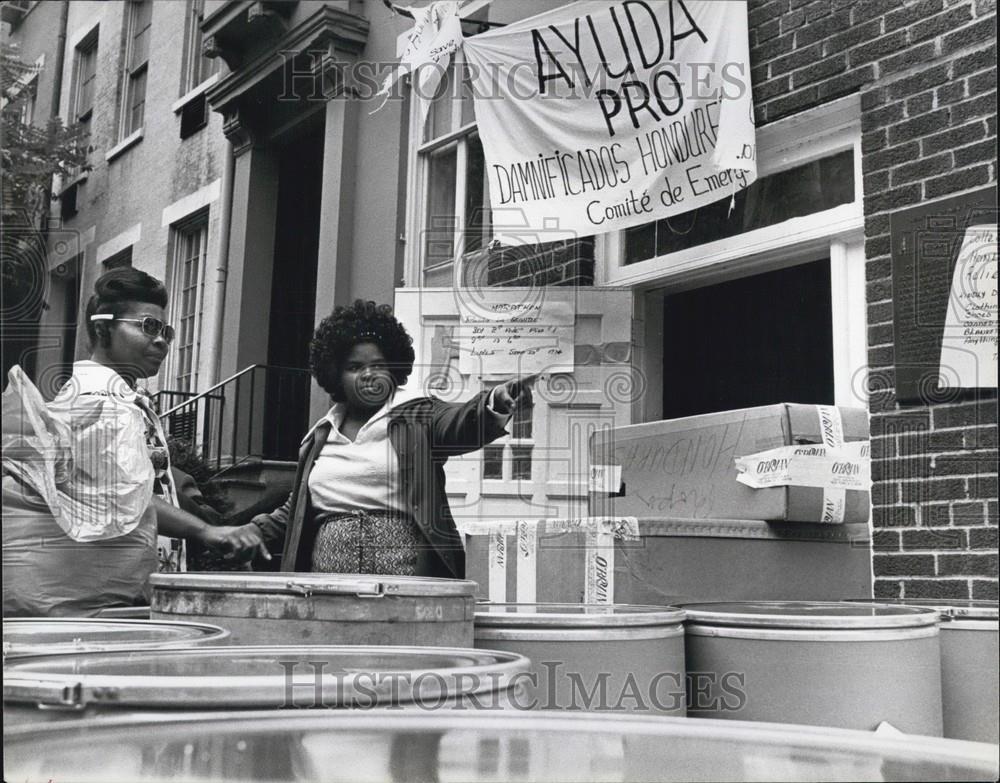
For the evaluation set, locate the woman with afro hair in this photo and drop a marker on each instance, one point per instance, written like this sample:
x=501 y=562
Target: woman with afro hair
x=369 y=494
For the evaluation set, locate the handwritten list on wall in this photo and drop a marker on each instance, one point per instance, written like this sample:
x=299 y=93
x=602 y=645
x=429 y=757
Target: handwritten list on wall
x=507 y=338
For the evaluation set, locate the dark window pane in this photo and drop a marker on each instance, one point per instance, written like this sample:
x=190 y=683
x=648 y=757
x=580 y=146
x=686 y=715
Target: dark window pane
x=439 y=240
x=137 y=101
x=521 y=423
x=142 y=14
x=477 y=201
x=493 y=462
x=758 y=340
x=803 y=190
x=521 y=464
x=439 y=116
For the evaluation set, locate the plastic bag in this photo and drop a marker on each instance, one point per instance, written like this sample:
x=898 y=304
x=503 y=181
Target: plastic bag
x=47 y=574
x=84 y=455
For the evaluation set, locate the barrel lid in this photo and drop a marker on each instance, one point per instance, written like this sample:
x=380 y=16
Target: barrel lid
x=809 y=614
x=259 y=676
x=462 y=745
x=506 y=615
x=306 y=584
x=43 y=636
x=949 y=609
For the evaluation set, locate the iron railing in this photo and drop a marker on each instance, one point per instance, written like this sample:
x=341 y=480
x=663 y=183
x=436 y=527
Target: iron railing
x=261 y=412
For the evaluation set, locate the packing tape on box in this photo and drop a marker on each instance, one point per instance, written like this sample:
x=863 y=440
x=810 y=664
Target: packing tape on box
x=833 y=466
x=600 y=534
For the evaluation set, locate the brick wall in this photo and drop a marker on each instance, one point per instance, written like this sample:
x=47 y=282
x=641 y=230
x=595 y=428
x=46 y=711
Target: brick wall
x=926 y=71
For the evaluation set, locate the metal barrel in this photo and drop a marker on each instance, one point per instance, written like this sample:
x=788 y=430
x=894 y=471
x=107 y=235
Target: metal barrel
x=474 y=746
x=815 y=663
x=300 y=608
x=970 y=681
x=46 y=636
x=137 y=683
x=606 y=657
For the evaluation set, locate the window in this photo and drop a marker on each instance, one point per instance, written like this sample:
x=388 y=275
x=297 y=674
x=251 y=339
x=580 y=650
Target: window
x=139 y=16
x=802 y=190
x=197 y=67
x=190 y=244
x=27 y=95
x=786 y=269
x=510 y=459
x=449 y=216
x=455 y=223
x=119 y=259
x=84 y=78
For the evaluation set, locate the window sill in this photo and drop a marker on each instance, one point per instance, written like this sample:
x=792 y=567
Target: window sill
x=193 y=93
x=77 y=179
x=131 y=140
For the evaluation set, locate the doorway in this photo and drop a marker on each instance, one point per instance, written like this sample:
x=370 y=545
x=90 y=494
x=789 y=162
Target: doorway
x=756 y=340
x=293 y=286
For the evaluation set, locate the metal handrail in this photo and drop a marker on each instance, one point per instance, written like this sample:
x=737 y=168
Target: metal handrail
x=231 y=426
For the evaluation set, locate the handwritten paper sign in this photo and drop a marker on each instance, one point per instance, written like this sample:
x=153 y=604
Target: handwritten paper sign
x=508 y=338
x=969 y=340
x=599 y=115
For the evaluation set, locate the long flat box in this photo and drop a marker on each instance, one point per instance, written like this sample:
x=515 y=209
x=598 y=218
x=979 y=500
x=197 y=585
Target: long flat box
x=679 y=560
x=685 y=468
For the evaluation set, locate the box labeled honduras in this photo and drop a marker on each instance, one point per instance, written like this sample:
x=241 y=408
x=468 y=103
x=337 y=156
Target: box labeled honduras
x=786 y=462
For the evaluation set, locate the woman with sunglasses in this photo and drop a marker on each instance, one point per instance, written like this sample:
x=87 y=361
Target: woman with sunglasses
x=87 y=483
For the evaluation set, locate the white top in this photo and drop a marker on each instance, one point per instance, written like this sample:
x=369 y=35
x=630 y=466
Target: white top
x=363 y=473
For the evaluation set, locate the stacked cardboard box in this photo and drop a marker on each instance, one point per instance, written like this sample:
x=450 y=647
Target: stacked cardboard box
x=671 y=521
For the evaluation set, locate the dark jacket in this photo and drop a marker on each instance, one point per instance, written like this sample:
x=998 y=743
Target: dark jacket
x=423 y=432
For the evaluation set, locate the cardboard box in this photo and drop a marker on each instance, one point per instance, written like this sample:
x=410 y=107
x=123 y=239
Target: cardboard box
x=672 y=561
x=685 y=468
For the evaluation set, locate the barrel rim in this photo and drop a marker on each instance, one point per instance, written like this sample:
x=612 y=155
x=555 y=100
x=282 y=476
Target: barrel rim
x=210 y=634
x=810 y=615
x=306 y=584
x=979 y=756
x=619 y=633
x=949 y=609
x=762 y=634
x=566 y=615
x=74 y=691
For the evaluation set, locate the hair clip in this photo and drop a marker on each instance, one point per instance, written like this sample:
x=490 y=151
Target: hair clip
x=102 y=317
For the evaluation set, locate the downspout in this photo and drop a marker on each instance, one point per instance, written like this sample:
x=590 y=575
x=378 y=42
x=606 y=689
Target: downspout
x=60 y=58
x=222 y=268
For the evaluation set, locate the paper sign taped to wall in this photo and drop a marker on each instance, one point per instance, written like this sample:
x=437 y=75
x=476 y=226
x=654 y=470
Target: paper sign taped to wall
x=501 y=337
x=969 y=340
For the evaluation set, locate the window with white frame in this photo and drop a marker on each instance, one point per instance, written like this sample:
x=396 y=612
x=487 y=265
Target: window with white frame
x=453 y=200
x=449 y=221
x=806 y=208
x=138 y=24
x=190 y=244
x=510 y=458
x=197 y=67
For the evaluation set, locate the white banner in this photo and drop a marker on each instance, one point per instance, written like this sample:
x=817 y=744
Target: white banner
x=604 y=115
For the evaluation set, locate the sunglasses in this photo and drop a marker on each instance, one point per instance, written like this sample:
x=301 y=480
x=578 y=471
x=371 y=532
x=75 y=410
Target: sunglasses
x=151 y=327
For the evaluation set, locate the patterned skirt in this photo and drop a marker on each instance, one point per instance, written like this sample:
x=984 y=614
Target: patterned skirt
x=368 y=542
